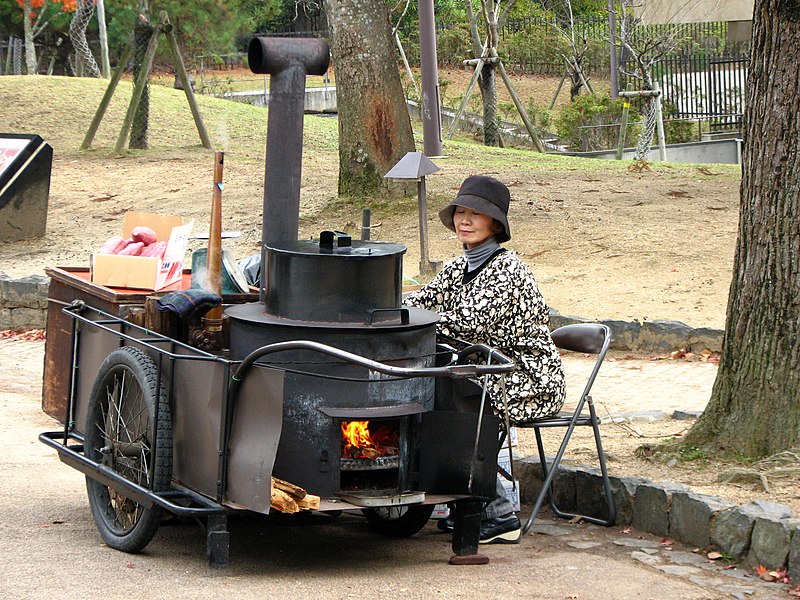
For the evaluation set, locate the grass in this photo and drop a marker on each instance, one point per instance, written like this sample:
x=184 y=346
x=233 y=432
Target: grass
x=61 y=109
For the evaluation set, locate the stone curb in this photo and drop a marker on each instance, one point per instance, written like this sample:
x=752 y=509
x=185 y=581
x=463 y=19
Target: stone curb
x=23 y=305
x=759 y=532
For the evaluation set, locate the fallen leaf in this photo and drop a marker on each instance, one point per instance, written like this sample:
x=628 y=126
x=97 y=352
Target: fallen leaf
x=717 y=207
x=714 y=555
x=705 y=171
x=667 y=543
x=678 y=194
x=576 y=519
x=129 y=564
x=627 y=530
x=103 y=198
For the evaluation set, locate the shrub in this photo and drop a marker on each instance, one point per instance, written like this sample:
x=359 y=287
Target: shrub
x=587 y=111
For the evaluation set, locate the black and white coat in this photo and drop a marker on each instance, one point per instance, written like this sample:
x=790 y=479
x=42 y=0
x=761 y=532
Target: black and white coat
x=500 y=305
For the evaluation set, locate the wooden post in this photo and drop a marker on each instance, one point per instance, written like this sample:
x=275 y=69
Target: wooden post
x=214 y=255
x=463 y=106
x=558 y=89
x=623 y=126
x=184 y=78
x=112 y=86
x=520 y=108
x=138 y=89
x=662 y=143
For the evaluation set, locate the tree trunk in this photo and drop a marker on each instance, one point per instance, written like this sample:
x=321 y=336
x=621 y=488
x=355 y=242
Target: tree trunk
x=755 y=404
x=374 y=125
x=491 y=134
x=141 y=119
x=30 y=48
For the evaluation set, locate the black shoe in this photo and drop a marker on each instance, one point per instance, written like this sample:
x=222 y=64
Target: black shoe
x=445 y=524
x=502 y=530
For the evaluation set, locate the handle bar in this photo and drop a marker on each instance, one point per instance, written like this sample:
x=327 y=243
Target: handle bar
x=502 y=364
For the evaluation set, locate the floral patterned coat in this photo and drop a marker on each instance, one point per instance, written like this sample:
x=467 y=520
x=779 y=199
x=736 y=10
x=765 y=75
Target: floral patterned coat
x=500 y=305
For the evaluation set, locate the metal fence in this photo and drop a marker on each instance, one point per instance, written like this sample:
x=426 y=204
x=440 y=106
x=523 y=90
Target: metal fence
x=710 y=88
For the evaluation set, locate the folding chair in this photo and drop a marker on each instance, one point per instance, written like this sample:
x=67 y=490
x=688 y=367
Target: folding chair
x=588 y=338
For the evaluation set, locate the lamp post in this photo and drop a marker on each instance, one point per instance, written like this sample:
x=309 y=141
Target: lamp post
x=415 y=165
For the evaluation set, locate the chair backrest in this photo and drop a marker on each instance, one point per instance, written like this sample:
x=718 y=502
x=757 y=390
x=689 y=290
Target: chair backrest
x=582 y=337
x=590 y=338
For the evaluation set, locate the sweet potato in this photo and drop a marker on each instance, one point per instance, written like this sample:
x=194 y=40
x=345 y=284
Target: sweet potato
x=132 y=249
x=156 y=250
x=113 y=245
x=143 y=234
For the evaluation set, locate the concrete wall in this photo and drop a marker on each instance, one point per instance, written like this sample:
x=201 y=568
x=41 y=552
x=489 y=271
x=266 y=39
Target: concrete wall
x=668 y=11
x=317 y=100
x=717 y=151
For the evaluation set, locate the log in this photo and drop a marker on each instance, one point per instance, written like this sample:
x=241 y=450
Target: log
x=290 y=488
x=283 y=502
x=310 y=502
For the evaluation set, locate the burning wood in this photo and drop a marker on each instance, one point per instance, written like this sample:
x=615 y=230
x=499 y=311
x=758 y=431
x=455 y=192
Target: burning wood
x=359 y=443
x=290 y=498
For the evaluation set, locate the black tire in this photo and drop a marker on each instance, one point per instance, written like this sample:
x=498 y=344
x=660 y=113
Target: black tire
x=398 y=521
x=119 y=434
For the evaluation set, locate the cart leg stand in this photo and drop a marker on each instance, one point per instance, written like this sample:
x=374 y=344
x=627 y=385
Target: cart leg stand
x=217 y=541
x=466 y=533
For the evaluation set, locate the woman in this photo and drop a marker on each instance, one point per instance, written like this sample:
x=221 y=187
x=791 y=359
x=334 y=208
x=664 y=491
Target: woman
x=490 y=296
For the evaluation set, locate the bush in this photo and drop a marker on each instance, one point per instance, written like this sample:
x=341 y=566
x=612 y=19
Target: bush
x=589 y=111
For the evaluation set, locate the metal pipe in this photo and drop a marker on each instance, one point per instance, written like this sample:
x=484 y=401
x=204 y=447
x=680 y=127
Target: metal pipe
x=430 y=110
x=287 y=61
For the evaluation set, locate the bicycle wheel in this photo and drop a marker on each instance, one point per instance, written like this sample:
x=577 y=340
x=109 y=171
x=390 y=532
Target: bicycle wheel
x=119 y=435
x=398 y=521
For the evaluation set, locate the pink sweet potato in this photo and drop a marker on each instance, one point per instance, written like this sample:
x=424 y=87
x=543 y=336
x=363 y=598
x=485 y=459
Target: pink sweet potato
x=110 y=245
x=143 y=234
x=114 y=245
x=132 y=249
x=155 y=250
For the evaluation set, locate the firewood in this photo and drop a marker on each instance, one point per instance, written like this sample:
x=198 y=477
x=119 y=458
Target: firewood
x=283 y=502
x=310 y=502
x=294 y=490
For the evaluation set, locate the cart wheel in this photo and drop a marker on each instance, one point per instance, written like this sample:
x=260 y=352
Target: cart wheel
x=119 y=435
x=398 y=521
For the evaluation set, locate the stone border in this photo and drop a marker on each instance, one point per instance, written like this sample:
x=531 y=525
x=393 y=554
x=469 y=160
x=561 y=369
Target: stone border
x=23 y=302
x=759 y=532
x=23 y=305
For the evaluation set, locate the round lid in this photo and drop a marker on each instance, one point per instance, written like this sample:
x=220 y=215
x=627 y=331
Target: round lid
x=338 y=246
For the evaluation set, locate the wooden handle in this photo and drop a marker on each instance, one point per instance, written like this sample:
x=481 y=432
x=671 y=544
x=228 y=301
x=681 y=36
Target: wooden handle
x=214 y=254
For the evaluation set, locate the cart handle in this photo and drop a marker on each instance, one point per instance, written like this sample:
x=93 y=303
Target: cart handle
x=502 y=364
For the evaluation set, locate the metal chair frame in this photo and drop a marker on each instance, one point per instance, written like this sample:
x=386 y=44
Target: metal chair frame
x=589 y=338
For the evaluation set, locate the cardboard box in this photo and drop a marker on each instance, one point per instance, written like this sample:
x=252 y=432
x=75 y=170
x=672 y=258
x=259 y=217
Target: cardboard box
x=143 y=272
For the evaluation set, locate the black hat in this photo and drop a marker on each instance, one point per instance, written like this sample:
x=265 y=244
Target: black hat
x=485 y=195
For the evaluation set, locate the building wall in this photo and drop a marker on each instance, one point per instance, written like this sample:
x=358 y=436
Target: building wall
x=694 y=11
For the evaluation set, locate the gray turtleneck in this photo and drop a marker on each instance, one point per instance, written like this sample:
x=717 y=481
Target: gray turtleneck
x=480 y=254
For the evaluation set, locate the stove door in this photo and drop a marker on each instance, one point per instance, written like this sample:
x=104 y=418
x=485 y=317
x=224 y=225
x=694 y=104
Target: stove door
x=446 y=453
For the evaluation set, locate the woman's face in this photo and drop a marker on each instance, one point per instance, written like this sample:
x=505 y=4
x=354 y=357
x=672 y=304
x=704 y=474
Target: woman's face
x=473 y=228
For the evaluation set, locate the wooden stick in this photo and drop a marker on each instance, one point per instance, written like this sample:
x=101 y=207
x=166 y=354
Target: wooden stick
x=214 y=254
x=283 y=502
x=310 y=502
x=138 y=89
x=187 y=86
x=290 y=488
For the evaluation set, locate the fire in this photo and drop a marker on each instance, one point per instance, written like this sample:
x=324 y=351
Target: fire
x=358 y=442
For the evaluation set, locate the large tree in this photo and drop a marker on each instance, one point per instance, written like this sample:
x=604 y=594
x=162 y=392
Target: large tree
x=755 y=404
x=374 y=125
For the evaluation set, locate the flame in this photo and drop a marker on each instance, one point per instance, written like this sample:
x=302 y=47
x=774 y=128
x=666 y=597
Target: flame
x=358 y=442
x=356 y=434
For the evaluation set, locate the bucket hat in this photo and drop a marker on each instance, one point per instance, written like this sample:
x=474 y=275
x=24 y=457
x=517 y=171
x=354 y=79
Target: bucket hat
x=485 y=195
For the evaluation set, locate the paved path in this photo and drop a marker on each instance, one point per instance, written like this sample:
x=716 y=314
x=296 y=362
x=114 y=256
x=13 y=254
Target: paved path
x=49 y=542
x=626 y=385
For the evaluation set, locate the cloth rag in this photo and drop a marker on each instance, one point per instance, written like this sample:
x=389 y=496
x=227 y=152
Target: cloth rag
x=189 y=303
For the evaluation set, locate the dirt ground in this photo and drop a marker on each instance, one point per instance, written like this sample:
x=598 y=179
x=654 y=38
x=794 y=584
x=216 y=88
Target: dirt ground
x=621 y=244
